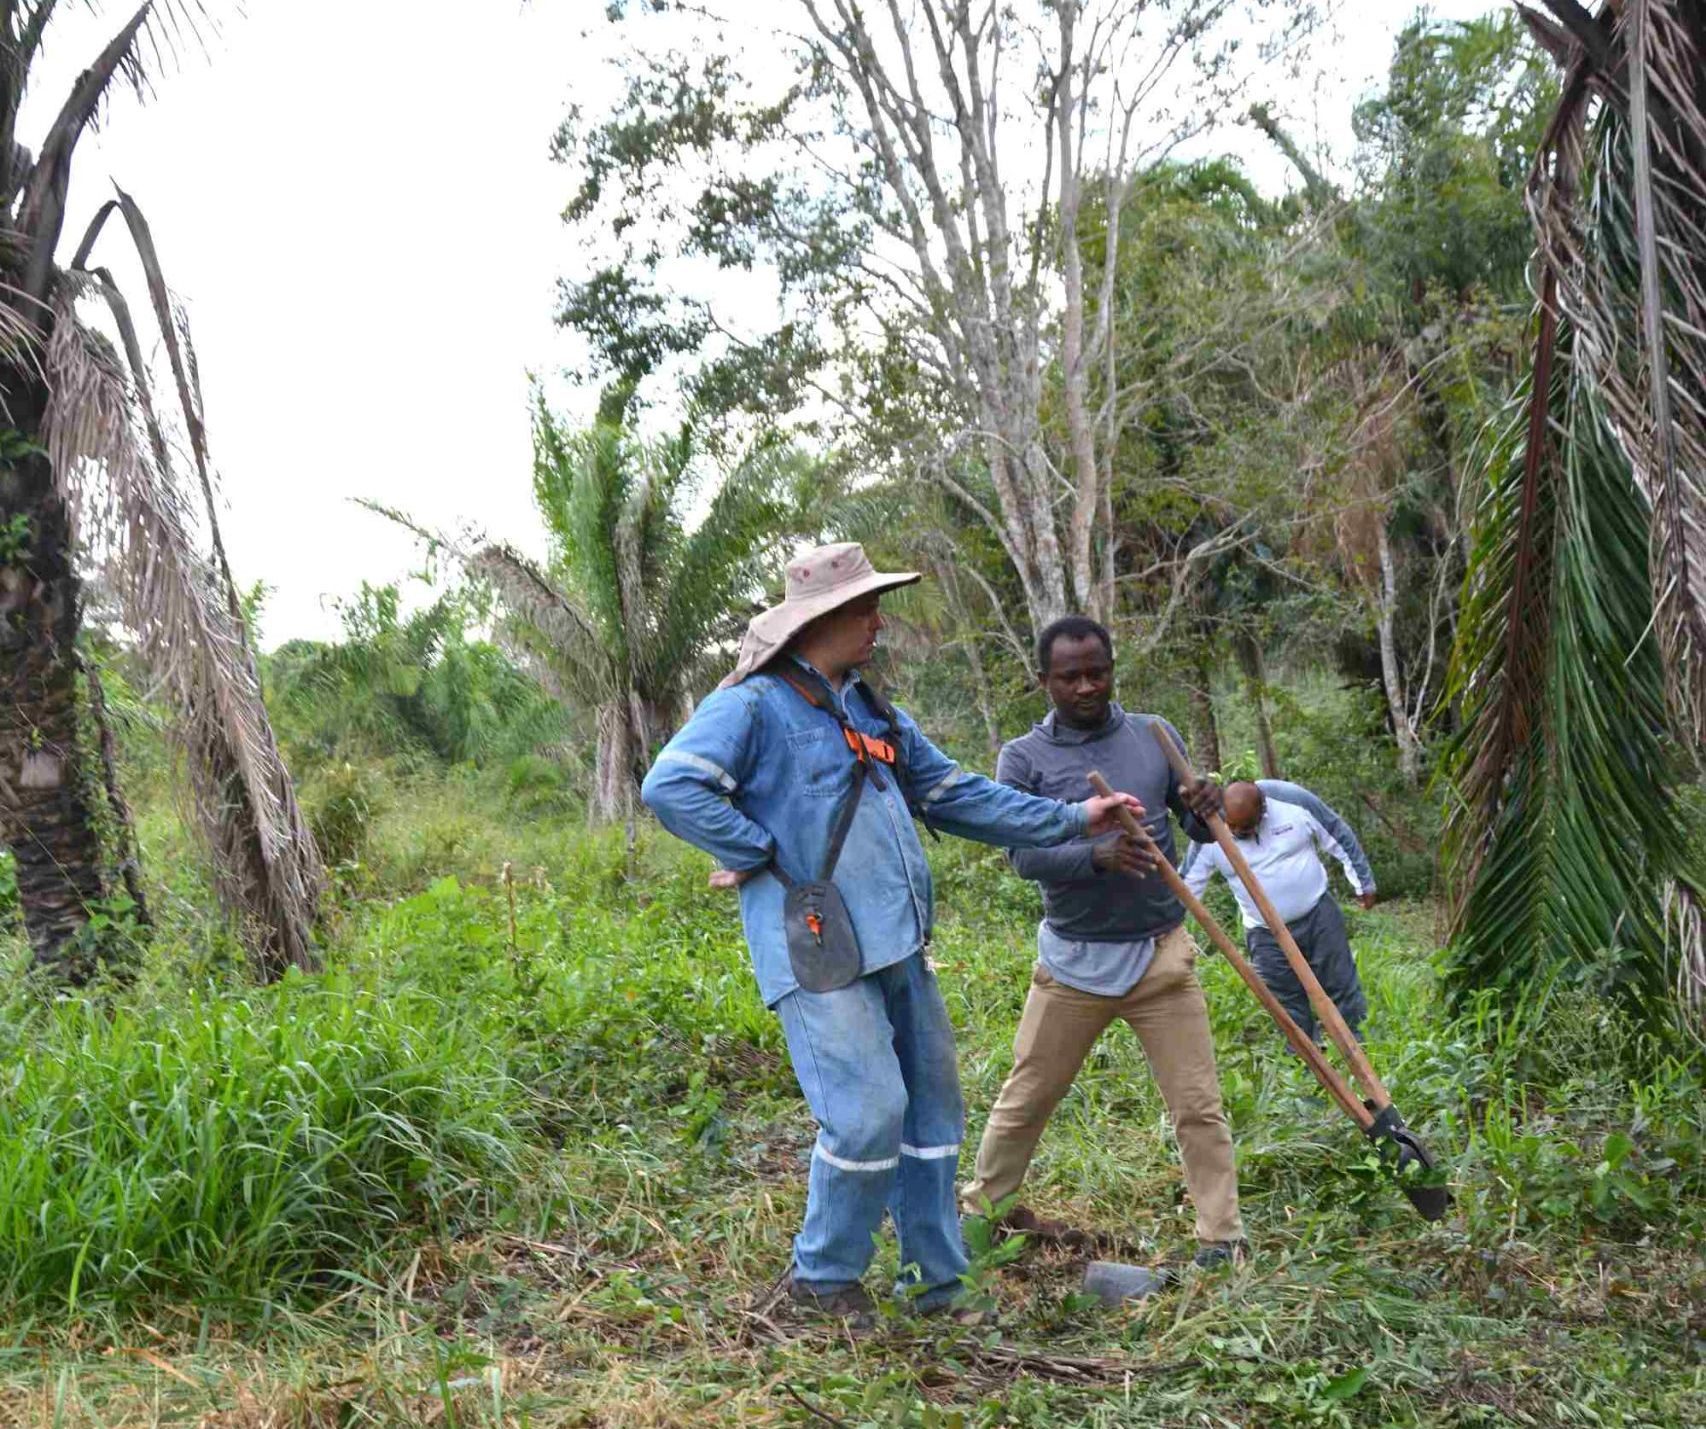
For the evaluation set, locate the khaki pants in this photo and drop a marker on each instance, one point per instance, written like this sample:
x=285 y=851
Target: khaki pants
x=1060 y=1024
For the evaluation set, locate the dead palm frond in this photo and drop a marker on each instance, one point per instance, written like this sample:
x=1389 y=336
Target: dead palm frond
x=191 y=635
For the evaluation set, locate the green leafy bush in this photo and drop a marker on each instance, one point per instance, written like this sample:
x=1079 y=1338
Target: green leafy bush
x=537 y=785
x=342 y=802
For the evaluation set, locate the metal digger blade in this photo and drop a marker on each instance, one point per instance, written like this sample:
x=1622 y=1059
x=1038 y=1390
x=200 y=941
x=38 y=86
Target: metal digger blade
x=1412 y=1161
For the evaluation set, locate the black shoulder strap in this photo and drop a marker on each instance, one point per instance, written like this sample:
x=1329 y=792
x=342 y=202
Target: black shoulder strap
x=844 y=821
x=881 y=708
x=862 y=770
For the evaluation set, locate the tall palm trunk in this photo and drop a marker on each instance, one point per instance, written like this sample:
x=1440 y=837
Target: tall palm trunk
x=616 y=757
x=45 y=809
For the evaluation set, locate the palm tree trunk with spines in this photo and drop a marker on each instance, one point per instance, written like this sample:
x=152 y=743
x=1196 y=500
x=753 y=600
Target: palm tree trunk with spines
x=45 y=806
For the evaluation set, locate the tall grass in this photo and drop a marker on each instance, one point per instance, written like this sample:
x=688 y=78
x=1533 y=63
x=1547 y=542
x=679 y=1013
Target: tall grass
x=234 y=1150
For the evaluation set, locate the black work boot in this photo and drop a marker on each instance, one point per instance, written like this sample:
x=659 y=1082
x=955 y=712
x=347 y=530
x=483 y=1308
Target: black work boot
x=852 y=1303
x=1213 y=1253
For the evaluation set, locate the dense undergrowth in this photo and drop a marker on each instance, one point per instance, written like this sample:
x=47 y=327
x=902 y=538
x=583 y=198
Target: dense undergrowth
x=530 y=1152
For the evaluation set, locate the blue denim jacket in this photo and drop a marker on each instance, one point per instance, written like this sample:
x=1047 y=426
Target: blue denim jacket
x=759 y=771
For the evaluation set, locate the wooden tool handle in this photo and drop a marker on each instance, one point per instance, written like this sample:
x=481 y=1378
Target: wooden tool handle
x=1325 y=1009
x=1324 y=1071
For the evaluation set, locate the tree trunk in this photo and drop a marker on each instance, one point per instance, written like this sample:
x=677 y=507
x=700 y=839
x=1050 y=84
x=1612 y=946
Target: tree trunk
x=1039 y=559
x=981 y=692
x=124 y=827
x=1205 y=729
x=1075 y=376
x=1256 y=685
x=45 y=810
x=1392 y=677
x=613 y=784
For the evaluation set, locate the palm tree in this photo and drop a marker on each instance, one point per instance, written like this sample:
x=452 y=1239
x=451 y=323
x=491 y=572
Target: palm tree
x=633 y=611
x=86 y=463
x=416 y=684
x=1580 y=668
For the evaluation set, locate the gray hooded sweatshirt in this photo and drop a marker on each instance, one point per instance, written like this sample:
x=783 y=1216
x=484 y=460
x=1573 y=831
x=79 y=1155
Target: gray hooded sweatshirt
x=1055 y=760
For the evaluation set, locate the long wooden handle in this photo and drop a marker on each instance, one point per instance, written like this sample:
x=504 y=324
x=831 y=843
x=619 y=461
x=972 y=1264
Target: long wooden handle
x=1324 y=1071
x=1325 y=1009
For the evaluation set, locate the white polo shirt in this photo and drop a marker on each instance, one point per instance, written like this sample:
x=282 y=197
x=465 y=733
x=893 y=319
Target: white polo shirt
x=1282 y=855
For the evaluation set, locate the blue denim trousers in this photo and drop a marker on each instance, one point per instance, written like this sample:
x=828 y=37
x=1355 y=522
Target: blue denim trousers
x=876 y=1062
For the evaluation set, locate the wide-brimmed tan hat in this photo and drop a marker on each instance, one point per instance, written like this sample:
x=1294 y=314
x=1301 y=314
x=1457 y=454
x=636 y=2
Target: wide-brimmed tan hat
x=818 y=582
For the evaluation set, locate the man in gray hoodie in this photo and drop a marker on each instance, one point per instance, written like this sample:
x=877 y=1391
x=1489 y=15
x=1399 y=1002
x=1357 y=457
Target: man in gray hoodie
x=1112 y=943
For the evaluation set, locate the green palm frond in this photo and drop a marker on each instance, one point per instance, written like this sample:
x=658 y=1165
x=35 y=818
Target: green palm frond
x=1642 y=300
x=1564 y=785
x=667 y=491
x=720 y=570
x=584 y=485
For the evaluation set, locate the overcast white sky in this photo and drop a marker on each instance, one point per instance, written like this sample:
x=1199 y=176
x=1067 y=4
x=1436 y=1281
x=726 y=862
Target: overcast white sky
x=356 y=200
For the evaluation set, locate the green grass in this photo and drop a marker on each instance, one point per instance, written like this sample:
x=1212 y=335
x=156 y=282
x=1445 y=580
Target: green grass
x=237 y=1150
x=466 y=1180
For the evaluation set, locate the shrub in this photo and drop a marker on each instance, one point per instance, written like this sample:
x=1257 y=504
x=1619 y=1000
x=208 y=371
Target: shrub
x=342 y=801
x=537 y=785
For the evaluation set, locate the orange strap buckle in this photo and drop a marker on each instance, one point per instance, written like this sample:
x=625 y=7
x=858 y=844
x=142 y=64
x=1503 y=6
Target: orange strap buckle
x=815 y=923
x=879 y=749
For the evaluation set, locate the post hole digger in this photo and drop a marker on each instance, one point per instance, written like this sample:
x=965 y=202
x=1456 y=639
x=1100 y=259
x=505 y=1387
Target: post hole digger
x=1378 y=1118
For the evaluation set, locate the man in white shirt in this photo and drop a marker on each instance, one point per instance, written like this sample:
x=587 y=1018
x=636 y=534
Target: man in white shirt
x=1279 y=829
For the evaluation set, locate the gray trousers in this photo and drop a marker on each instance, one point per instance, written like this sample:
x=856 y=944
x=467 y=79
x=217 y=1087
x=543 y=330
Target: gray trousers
x=1326 y=947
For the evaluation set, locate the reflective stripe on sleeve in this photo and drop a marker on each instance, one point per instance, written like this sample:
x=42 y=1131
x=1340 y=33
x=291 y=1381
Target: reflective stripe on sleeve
x=942 y=788
x=704 y=766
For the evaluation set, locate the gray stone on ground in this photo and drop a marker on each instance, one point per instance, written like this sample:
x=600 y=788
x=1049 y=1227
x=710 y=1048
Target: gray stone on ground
x=1113 y=1282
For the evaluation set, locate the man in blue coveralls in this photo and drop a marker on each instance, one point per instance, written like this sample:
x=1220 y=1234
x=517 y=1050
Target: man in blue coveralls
x=761 y=777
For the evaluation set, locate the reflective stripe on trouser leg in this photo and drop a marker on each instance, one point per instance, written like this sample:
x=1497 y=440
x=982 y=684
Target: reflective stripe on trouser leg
x=926 y=1216
x=841 y=1045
